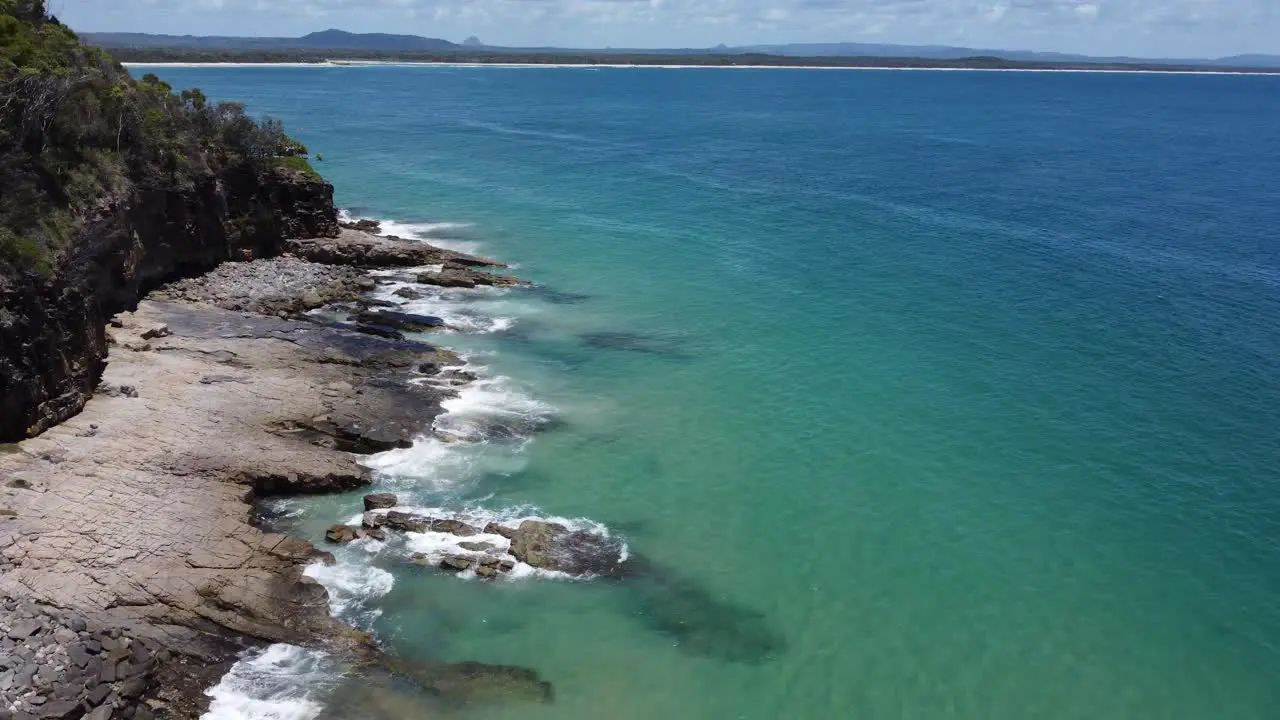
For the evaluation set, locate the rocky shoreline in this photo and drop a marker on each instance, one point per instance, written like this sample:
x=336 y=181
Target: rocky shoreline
x=129 y=527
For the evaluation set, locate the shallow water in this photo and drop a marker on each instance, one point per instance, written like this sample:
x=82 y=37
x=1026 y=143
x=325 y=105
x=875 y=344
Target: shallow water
x=921 y=395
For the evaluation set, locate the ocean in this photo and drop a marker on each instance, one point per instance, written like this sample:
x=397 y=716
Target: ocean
x=928 y=395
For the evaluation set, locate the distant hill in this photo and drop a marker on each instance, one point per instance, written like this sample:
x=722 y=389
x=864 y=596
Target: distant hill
x=385 y=43
x=324 y=40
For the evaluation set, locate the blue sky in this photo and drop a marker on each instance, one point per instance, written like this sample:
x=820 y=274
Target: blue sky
x=1136 y=27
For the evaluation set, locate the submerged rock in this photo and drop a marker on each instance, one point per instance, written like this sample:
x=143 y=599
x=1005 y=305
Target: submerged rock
x=678 y=606
x=636 y=342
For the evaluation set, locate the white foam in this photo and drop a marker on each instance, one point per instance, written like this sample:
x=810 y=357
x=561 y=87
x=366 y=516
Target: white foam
x=469 y=310
x=354 y=586
x=436 y=233
x=435 y=546
x=274 y=684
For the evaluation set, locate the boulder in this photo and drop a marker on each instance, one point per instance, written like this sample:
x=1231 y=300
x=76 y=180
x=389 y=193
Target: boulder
x=455 y=527
x=404 y=522
x=378 y=501
x=486 y=571
x=496 y=529
x=155 y=331
x=372 y=520
x=457 y=562
x=477 y=546
x=551 y=546
x=409 y=293
x=368 y=226
x=447 y=279
x=343 y=534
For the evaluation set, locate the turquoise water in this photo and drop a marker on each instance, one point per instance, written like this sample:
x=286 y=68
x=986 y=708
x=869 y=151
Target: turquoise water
x=930 y=394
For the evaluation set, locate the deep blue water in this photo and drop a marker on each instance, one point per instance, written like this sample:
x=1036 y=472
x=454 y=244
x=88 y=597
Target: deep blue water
x=937 y=394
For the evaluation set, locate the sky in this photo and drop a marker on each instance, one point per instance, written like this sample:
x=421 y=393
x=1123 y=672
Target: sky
x=1145 y=28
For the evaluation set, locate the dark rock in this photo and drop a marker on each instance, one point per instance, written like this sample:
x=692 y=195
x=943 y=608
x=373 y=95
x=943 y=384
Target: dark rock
x=406 y=322
x=551 y=546
x=77 y=624
x=367 y=226
x=79 y=655
x=404 y=522
x=372 y=520
x=379 y=501
x=486 y=571
x=456 y=562
x=409 y=293
x=477 y=546
x=472 y=682
x=456 y=527
x=53 y=352
x=93 y=669
x=157 y=331
x=496 y=529
x=447 y=279
x=98 y=694
x=133 y=687
x=361 y=249
x=381 y=331
x=343 y=534
x=138 y=653
x=268 y=484
x=61 y=710
x=99 y=713
x=25 y=629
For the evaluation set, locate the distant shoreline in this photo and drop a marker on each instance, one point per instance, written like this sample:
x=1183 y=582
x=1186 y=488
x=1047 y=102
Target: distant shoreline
x=587 y=66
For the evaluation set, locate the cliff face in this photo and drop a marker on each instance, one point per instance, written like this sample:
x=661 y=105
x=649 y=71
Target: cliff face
x=53 y=344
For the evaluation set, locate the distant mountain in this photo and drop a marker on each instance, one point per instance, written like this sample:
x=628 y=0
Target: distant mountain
x=946 y=52
x=324 y=40
x=385 y=43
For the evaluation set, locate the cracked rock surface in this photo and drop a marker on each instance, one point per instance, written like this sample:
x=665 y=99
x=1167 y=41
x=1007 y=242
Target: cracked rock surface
x=135 y=515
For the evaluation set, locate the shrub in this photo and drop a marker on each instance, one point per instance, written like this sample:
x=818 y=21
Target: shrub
x=76 y=129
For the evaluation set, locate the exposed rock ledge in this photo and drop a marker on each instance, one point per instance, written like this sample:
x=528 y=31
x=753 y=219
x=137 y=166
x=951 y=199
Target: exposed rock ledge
x=135 y=515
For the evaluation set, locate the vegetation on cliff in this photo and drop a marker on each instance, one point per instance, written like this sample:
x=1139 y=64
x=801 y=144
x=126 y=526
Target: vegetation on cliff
x=77 y=133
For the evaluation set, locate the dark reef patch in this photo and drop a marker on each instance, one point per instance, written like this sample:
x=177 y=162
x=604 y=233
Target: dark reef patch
x=558 y=297
x=637 y=343
x=676 y=605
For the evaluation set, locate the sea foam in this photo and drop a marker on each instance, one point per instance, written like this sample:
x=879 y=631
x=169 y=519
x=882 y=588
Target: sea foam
x=277 y=683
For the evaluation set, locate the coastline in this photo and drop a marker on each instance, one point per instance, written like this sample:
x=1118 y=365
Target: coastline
x=589 y=66
x=134 y=518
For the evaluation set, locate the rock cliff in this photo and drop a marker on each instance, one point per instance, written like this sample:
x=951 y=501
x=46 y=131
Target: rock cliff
x=52 y=341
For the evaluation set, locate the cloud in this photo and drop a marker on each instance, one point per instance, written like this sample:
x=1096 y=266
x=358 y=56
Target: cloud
x=1170 y=27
